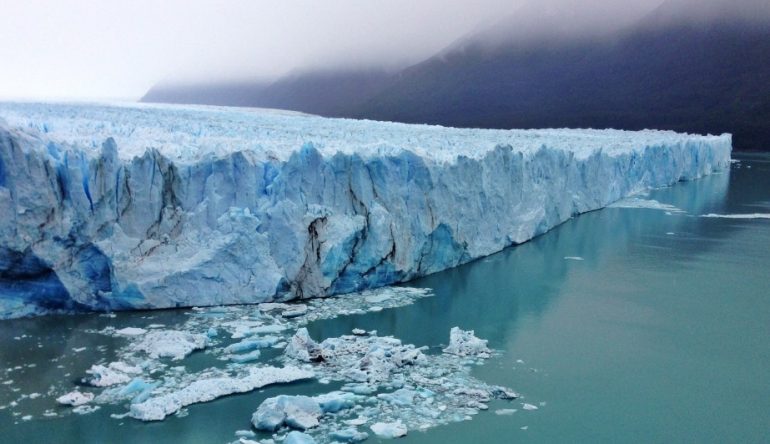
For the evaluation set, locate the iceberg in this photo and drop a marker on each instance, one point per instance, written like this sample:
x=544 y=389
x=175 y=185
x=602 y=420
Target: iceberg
x=134 y=206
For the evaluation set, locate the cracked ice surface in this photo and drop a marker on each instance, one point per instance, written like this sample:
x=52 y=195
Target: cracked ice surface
x=135 y=206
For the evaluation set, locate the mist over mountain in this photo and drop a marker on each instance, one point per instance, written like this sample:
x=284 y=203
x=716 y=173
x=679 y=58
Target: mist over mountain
x=687 y=66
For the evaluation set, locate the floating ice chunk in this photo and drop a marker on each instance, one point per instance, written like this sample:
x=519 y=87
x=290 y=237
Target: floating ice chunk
x=361 y=420
x=573 y=258
x=399 y=397
x=85 y=409
x=527 y=406
x=647 y=204
x=359 y=332
x=297 y=412
x=267 y=329
x=138 y=387
x=349 y=435
x=739 y=216
x=295 y=437
x=252 y=344
x=75 y=398
x=246 y=357
x=389 y=429
x=131 y=331
x=106 y=376
x=335 y=401
x=505 y=411
x=465 y=343
x=170 y=343
x=302 y=347
x=203 y=390
x=501 y=392
x=378 y=298
x=295 y=311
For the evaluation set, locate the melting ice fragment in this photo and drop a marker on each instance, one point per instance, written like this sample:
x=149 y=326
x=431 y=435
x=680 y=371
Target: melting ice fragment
x=298 y=412
x=75 y=398
x=204 y=390
x=465 y=343
x=389 y=429
x=170 y=343
x=296 y=437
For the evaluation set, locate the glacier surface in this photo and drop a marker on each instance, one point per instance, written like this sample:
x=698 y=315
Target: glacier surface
x=127 y=206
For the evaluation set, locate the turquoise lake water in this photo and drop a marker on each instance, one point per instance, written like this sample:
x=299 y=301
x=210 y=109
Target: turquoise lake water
x=659 y=334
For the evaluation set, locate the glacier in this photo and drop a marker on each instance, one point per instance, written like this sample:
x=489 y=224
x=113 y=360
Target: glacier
x=136 y=206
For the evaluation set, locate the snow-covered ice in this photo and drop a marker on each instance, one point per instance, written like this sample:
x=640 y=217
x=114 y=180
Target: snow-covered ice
x=148 y=206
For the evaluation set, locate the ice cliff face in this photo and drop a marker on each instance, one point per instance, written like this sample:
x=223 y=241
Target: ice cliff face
x=139 y=206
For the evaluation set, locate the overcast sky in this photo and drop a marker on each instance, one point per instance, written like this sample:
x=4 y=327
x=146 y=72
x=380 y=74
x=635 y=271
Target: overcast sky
x=119 y=49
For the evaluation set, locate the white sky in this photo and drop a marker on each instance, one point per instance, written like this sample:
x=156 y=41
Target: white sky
x=119 y=49
x=100 y=49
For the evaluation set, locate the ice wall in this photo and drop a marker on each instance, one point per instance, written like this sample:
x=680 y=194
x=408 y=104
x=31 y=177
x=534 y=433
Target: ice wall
x=137 y=206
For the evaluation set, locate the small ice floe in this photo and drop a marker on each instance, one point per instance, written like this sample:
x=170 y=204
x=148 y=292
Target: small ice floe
x=646 y=204
x=26 y=418
x=246 y=357
x=296 y=437
x=34 y=395
x=350 y=435
x=573 y=258
x=131 y=331
x=377 y=298
x=389 y=430
x=85 y=409
x=250 y=344
x=79 y=349
x=75 y=398
x=464 y=343
x=739 y=216
x=296 y=412
x=295 y=311
x=503 y=412
x=524 y=427
x=112 y=374
x=527 y=406
x=670 y=233
x=207 y=389
x=170 y=343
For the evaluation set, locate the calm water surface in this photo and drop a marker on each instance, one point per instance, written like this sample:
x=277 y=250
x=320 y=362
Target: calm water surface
x=659 y=335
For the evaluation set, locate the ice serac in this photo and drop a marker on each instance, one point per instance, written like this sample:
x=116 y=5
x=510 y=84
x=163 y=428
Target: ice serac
x=139 y=206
